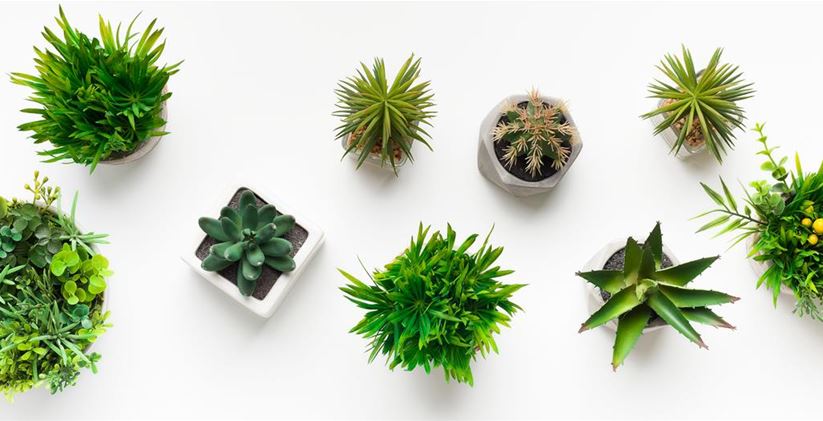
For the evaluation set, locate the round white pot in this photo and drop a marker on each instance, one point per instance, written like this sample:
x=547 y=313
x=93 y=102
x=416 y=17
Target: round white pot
x=492 y=169
x=145 y=147
x=597 y=262
x=760 y=268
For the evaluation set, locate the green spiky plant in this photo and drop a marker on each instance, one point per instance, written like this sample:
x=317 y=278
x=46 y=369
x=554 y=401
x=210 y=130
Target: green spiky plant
x=250 y=236
x=435 y=304
x=538 y=132
x=96 y=98
x=384 y=119
x=706 y=99
x=643 y=289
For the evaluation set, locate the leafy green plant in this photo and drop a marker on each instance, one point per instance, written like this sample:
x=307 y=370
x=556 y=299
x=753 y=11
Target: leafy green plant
x=97 y=98
x=251 y=237
x=48 y=318
x=707 y=100
x=9 y=237
x=784 y=217
x=644 y=289
x=380 y=118
x=539 y=132
x=435 y=304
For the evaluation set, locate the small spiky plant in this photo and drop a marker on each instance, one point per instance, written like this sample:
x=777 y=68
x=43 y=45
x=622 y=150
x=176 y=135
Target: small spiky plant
x=707 y=100
x=435 y=304
x=643 y=289
x=537 y=132
x=382 y=118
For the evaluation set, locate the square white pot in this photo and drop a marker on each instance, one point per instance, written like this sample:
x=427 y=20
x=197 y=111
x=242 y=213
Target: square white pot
x=284 y=283
x=670 y=136
x=492 y=169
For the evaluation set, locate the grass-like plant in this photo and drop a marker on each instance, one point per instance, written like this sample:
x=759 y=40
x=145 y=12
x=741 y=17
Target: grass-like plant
x=644 y=288
x=539 y=132
x=435 y=304
x=700 y=105
x=785 y=218
x=378 y=118
x=96 y=98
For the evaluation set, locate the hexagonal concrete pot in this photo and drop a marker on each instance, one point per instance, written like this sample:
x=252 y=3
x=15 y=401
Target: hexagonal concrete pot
x=598 y=262
x=490 y=166
x=670 y=136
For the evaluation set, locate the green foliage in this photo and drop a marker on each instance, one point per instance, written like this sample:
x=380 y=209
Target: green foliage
x=707 y=100
x=378 y=118
x=773 y=213
x=435 y=304
x=251 y=236
x=48 y=318
x=644 y=288
x=537 y=132
x=96 y=97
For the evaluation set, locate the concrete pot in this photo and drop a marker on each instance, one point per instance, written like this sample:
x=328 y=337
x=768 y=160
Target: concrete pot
x=145 y=147
x=490 y=166
x=597 y=262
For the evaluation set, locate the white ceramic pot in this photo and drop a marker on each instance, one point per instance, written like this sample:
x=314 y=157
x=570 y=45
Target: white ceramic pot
x=145 y=147
x=670 y=136
x=760 y=268
x=597 y=262
x=492 y=169
x=284 y=283
x=374 y=159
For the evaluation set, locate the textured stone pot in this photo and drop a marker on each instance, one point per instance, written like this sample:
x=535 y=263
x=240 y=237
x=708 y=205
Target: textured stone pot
x=760 y=268
x=145 y=147
x=490 y=166
x=597 y=262
x=374 y=159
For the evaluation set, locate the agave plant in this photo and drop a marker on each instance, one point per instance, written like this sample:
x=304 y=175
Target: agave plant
x=644 y=289
x=97 y=97
x=435 y=304
x=539 y=132
x=251 y=237
x=700 y=105
x=380 y=118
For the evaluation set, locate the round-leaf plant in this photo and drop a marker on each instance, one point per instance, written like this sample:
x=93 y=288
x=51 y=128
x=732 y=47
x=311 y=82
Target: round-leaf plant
x=644 y=289
x=96 y=98
x=434 y=305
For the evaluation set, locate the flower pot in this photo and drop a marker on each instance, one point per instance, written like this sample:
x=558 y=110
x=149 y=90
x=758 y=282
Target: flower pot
x=273 y=286
x=374 y=159
x=670 y=136
x=598 y=262
x=759 y=267
x=144 y=147
x=491 y=167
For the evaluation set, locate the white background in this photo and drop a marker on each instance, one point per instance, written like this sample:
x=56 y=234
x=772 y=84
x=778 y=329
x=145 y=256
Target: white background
x=253 y=102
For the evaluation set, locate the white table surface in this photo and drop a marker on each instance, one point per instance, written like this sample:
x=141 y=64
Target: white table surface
x=253 y=100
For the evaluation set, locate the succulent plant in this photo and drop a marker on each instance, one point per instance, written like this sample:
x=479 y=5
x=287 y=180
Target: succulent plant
x=643 y=289
x=435 y=304
x=706 y=99
x=539 y=132
x=9 y=237
x=96 y=97
x=384 y=119
x=82 y=276
x=250 y=236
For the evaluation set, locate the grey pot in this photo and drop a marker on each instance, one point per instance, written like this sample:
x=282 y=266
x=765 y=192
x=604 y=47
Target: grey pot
x=490 y=166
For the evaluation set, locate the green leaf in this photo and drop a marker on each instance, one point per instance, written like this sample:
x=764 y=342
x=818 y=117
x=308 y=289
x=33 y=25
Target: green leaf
x=705 y=316
x=276 y=247
x=214 y=263
x=673 y=316
x=230 y=229
x=610 y=281
x=629 y=328
x=682 y=297
x=213 y=228
x=618 y=304
x=255 y=256
x=684 y=273
x=280 y=263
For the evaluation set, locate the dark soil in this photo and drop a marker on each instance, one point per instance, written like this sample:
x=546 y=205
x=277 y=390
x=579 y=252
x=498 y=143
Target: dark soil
x=616 y=262
x=519 y=168
x=297 y=236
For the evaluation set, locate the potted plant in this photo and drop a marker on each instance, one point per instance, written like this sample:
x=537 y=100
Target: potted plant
x=706 y=99
x=783 y=221
x=435 y=305
x=641 y=286
x=52 y=293
x=254 y=251
x=99 y=100
x=527 y=144
x=381 y=122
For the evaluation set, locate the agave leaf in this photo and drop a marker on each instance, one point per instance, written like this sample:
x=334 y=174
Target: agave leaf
x=684 y=273
x=674 y=317
x=213 y=228
x=654 y=242
x=705 y=316
x=618 y=304
x=632 y=261
x=610 y=281
x=682 y=297
x=629 y=328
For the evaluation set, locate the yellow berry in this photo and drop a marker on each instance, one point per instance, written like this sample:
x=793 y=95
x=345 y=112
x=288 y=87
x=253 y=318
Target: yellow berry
x=812 y=239
x=807 y=222
x=817 y=226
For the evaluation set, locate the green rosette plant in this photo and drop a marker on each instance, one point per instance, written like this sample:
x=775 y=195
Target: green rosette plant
x=51 y=294
x=96 y=98
x=784 y=219
x=435 y=305
x=644 y=289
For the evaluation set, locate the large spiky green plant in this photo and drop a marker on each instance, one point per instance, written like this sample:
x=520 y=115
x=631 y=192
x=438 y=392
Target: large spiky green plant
x=643 y=289
x=381 y=117
x=700 y=104
x=435 y=304
x=97 y=98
